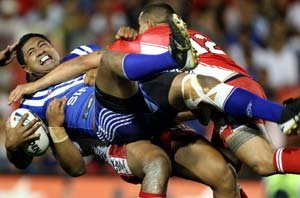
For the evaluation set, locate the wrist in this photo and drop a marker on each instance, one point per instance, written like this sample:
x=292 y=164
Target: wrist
x=54 y=125
x=58 y=134
x=11 y=147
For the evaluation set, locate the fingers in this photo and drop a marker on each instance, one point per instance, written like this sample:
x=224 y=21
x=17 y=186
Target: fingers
x=13 y=46
x=63 y=104
x=55 y=114
x=15 y=95
x=126 y=33
x=33 y=136
x=57 y=105
x=31 y=124
x=22 y=120
x=30 y=133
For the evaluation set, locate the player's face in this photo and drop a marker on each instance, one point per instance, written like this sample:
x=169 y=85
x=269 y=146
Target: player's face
x=40 y=56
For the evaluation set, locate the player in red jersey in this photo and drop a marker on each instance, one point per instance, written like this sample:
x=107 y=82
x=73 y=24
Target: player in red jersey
x=239 y=134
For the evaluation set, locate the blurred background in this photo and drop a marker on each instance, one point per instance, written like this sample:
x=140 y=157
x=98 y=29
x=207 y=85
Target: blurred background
x=263 y=36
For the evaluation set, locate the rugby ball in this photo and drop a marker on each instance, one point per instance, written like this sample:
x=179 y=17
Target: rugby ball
x=38 y=146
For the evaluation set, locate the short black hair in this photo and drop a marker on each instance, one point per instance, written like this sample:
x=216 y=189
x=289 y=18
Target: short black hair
x=22 y=41
x=160 y=12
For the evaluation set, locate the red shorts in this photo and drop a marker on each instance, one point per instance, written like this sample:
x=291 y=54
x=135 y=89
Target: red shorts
x=166 y=140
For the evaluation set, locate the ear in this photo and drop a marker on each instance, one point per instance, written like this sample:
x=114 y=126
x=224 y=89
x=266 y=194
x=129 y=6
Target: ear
x=150 y=23
x=26 y=69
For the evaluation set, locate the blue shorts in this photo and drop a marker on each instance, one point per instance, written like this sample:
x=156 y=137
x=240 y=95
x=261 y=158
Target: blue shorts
x=126 y=120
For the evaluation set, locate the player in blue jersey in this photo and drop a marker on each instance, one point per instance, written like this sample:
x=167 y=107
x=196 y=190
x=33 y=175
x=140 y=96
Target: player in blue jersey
x=142 y=164
x=271 y=168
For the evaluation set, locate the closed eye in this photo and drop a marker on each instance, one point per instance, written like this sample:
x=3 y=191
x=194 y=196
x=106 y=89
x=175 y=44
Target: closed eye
x=30 y=52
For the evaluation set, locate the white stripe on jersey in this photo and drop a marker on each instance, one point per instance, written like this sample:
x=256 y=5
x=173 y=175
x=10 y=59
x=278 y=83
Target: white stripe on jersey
x=79 y=52
x=107 y=127
x=86 y=48
x=41 y=93
x=40 y=102
x=150 y=48
x=107 y=123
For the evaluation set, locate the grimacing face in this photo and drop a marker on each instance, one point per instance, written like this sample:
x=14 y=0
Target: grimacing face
x=40 y=56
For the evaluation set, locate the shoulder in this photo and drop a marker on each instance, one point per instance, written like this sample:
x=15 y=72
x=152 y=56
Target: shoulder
x=81 y=50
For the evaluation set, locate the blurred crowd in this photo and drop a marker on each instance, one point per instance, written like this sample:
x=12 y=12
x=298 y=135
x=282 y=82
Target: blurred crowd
x=263 y=36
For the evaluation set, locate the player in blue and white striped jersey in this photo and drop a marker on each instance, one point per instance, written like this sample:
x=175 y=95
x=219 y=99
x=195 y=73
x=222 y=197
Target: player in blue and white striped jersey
x=80 y=96
x=87 y=114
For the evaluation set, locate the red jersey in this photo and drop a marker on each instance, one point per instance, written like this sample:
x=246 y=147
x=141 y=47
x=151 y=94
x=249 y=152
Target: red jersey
x=156 y=40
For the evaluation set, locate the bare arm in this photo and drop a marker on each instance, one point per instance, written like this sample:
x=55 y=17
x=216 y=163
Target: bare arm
x=63 y=72
x=66 y=152
x=15 y=138
x=7 y=54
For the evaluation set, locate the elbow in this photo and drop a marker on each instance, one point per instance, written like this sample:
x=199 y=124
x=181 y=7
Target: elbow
x=21 y=166
x=77 y=171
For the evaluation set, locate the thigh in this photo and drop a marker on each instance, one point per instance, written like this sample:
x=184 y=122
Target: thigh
x=158 y=88
x=254 y=150
x=129 y=160
x=252 y=146
x=193 y=156
x=140 y=154
x=110 y=81
x=200 y=162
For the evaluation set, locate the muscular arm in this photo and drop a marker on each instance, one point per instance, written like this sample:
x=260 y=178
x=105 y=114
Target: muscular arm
x=63 y=72
x=69 y=70
x=18 y=158
x=65 y=151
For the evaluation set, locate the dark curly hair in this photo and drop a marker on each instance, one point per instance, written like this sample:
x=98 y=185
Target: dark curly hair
x=22 y=41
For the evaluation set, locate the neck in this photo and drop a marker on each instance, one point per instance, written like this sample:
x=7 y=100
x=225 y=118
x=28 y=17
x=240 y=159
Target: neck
x=31 y=77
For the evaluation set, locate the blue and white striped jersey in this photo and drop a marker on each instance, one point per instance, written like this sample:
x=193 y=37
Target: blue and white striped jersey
x=80 y=105
x=83 y=110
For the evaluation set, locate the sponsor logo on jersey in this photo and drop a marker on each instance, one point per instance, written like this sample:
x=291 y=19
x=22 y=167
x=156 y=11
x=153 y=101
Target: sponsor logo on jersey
x=88 y=107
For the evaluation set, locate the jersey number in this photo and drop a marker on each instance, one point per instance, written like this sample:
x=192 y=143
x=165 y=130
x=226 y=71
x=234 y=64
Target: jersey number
x=209 y=46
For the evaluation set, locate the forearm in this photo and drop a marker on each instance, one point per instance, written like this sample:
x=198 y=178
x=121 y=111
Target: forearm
x=67 y=154
x=69 y=70
x=18 y=158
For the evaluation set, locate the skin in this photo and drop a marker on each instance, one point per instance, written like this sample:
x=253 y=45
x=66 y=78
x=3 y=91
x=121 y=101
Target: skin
x=72 y=162
x=7 y=55
x=34 y=50
x=68 y=155
x=262 y=164
x=21 y=134
x=156 y=161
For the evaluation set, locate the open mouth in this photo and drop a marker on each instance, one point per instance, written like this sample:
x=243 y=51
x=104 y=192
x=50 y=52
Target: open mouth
x=46 y=60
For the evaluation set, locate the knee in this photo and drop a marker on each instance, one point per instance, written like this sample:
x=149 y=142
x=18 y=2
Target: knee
x=225 y=180
x=158 y=164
